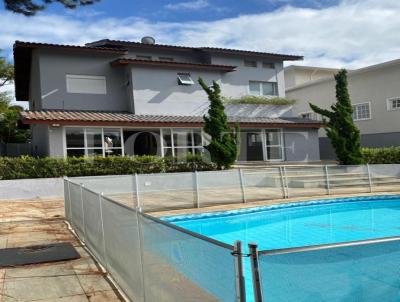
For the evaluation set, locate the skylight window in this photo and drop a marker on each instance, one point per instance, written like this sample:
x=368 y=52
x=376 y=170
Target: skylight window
x=185 y=79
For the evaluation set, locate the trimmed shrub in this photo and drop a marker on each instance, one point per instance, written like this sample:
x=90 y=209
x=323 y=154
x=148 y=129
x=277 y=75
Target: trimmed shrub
x=390 y=155
x=32 y=167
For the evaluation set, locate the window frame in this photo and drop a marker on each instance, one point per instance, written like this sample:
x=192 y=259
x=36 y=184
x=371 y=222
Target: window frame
x=271 y=65
x=389 y=105
x=261 y=89
x=183 y=82
x=281 y=144
x=170 y=131
x=250 y=63
x=69 y=88
x=85 y=145
x=355 y=118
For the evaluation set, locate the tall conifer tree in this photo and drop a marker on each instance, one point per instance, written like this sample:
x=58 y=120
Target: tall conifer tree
x=223 y=146
x=340 y=127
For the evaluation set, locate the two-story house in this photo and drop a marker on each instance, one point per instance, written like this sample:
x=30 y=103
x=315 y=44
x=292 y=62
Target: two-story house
x=135 y=98
x=375 y=96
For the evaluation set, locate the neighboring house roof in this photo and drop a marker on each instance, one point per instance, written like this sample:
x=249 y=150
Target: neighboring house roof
x=227 y=51
x=167 y=64
x=350 y=74
x=100 y=118
x=311 y=68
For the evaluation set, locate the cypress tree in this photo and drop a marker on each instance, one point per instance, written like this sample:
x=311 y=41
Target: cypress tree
x=223 y=145
x=340 y=127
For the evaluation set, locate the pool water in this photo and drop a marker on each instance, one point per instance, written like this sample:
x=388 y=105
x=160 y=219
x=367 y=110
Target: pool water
x=299 y=224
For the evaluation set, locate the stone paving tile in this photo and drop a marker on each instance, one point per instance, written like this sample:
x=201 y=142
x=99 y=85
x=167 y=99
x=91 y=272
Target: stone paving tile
x=39 y=288
x=25 y=223
x=104 y=296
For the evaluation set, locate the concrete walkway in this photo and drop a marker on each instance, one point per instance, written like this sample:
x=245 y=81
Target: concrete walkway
x=25 y=223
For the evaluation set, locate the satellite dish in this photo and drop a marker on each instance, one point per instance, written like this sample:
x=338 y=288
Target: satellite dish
x=148 y=40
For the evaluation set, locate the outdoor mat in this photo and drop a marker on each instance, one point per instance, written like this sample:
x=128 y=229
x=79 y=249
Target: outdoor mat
x=37 y=254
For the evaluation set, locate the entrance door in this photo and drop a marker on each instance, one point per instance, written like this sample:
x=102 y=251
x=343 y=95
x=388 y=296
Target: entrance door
x=254 y=146
x=141 y=142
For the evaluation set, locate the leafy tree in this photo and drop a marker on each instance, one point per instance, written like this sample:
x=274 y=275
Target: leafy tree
x=223 y=146
x=9 y=114
x=343 y=133
x=31 y=7
x=6 y=72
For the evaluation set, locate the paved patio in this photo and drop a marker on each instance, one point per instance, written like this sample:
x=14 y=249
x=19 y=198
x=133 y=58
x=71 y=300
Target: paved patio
x=25 y=223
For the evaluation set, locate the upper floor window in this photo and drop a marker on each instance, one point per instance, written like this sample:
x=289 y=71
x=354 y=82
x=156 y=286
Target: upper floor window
x=393 y=104
x=263 y=88
x=166 y=59
x=185 y=79
x=361 y=111
x=250 y=63
x=268 y=65
x=140 y=57
x=86 y=84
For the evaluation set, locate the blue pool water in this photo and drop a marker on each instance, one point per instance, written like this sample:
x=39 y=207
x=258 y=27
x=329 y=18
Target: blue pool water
x=302 y=224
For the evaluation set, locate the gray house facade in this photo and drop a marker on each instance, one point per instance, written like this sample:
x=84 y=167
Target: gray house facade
x=375 y=96
x=128 y=98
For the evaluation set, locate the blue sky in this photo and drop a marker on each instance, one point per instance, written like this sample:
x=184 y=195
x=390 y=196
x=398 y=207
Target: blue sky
x=329 y=33
x=182 y=11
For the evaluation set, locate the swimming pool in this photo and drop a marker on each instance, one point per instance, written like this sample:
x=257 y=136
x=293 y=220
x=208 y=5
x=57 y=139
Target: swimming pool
x=310 y=223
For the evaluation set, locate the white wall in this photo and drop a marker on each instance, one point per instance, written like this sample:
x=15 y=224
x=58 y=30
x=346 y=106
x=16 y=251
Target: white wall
x=40 y=188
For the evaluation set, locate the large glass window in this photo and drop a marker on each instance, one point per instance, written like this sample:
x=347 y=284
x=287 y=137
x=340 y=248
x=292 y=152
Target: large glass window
x=180 y=142
x=93 y=142
x=263 y=88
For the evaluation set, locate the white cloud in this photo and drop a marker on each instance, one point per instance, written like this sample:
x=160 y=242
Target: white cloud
x=353 y=34
x=188 y=5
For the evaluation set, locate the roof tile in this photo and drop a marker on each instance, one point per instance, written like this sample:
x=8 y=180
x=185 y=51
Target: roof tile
x=60 y=116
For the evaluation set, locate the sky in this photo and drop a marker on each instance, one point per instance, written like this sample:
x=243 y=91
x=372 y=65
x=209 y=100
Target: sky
x=328 y=33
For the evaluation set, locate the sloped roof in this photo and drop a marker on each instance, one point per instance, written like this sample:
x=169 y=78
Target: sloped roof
x=100 y=118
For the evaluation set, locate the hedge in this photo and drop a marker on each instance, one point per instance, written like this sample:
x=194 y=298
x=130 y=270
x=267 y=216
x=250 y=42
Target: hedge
x=390 y=155
x=33 y=167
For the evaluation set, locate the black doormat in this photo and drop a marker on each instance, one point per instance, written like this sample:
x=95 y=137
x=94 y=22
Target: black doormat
x=37 y=254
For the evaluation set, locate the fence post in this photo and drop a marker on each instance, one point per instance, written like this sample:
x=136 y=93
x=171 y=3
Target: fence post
x=139 y=215
x=67 y=211
x=83 y=215
x=369 y=178
x=255 y=272
x=102 y=230
x=282 y=182
x=328 y=185
x=240 y=285
x=196 y=184
x=286 y=181
x=137 y=190
x=241 y=178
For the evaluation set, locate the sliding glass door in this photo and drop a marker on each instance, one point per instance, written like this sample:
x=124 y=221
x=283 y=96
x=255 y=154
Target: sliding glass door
x=273 y=144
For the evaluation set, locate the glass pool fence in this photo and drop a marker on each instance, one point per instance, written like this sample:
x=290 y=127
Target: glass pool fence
x=172 y=191
x=149 y=259
x=153 y=260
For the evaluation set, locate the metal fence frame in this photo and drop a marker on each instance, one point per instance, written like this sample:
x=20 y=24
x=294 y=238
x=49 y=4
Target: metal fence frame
x=284 y=176
x=260 y=296
x=235 y=251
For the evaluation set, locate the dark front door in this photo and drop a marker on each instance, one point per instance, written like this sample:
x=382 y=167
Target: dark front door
x=254 y=146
